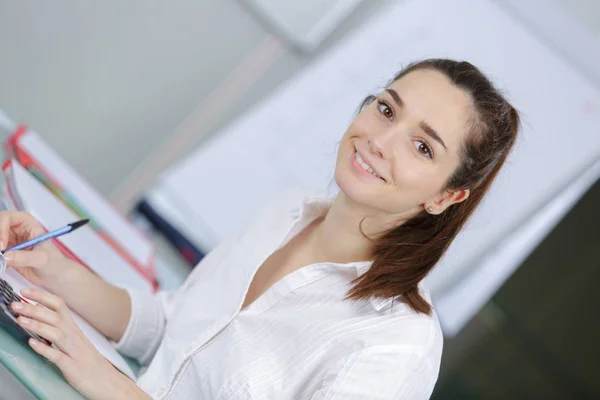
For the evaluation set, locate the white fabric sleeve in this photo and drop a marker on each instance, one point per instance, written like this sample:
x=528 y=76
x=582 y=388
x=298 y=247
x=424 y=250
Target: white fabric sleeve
x=150 y=311
x=146 y=325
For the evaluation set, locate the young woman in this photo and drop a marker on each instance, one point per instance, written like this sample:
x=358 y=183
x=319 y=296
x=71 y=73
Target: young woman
x=320 y=298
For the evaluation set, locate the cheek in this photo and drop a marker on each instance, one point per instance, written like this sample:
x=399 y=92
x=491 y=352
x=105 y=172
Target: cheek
x=363 y=126
x=345 y=149
x=417 y=181
x=411 y=175
x=342 y=174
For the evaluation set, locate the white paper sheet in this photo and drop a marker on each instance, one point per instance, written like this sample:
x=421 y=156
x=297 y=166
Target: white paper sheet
x=113 y=223
x=85 y=242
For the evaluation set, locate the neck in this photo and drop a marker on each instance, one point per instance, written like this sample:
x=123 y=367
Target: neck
x=337 y=238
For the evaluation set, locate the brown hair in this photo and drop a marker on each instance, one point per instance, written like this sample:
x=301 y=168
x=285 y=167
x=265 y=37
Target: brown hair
x=404 y=255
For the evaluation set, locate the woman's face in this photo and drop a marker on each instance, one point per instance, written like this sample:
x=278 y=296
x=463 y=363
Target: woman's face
x=398 y=153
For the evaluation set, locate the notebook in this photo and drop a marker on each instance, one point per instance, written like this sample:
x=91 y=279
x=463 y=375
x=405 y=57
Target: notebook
x=28 y=194
x=125 y=239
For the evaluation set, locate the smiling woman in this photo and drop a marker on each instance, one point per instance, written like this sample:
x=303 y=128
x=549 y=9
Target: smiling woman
x=321 y=298
x=422 y=171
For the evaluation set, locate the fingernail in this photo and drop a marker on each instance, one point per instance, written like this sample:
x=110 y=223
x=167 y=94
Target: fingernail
x=34 y=342
x=1 y=245
x=26 y=291
x=17 y=306
x=24 y=320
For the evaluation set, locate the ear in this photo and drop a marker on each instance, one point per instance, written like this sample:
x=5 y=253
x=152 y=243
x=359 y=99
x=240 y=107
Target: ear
x=446 y=199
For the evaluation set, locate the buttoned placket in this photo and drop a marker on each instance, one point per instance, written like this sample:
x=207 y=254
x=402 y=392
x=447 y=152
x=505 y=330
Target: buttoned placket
x=190 y=350
x=305 y=275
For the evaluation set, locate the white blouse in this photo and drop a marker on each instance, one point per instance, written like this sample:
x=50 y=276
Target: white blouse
x=299 y=340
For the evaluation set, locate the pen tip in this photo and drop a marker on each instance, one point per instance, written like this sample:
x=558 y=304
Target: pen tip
x=78 y=224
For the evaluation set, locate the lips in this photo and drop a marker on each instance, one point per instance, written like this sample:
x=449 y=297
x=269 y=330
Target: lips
x=362 y=163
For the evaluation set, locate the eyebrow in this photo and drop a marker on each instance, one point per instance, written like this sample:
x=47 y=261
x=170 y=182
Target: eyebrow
x=424 y=125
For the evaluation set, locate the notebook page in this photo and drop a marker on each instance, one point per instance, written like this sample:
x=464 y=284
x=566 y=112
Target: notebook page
x=113 y=223
x=85 y=242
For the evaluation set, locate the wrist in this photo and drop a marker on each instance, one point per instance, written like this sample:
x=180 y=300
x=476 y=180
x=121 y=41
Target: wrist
x=127 y=389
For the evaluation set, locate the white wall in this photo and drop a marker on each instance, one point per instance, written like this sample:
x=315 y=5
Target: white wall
x=106 y=83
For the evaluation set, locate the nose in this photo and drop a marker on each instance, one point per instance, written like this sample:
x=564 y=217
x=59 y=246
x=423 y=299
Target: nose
x=375 y=146
x=384 y=141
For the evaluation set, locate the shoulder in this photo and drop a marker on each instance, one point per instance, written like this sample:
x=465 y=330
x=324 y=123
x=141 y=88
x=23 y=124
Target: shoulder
x=399 y=357
x=402 y=330
x=420 y=331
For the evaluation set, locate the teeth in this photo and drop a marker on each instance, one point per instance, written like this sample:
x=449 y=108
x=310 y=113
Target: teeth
x=364 y=165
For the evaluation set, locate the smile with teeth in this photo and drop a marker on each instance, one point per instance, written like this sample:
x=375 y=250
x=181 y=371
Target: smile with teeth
x=364 y=165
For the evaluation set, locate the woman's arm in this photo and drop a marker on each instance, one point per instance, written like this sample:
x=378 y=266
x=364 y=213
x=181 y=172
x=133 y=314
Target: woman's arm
x=104 y=306
x=134 y=319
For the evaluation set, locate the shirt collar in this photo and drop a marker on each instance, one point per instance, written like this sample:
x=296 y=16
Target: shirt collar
x=313 y=206
x=317 y=206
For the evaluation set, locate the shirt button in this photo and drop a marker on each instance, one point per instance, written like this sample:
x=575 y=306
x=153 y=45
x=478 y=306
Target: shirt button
x=161 y=392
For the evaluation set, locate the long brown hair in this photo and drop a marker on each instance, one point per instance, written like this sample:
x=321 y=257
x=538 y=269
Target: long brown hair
x=404 y=255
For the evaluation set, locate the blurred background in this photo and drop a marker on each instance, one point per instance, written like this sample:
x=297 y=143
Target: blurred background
x=141 y=97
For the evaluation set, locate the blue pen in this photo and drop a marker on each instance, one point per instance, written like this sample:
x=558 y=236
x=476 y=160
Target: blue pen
x=52 y=234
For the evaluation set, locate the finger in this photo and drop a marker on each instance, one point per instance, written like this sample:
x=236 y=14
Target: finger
x=51 y=333
x=25 y=258
x=5 y=224
x=53 y=354
x=18 y=221
x=51 y=301
x=38 y=313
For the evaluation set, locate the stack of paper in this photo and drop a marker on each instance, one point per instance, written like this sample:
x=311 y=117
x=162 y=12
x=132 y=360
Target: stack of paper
x=28 y=194
x=123 y=239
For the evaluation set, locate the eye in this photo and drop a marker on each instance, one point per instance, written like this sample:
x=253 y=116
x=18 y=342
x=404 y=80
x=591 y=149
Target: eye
x=423 y=148
x=385 y=109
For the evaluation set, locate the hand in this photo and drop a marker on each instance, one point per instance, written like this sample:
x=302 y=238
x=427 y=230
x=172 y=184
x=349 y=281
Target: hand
x=44 y=264
x=79 y=361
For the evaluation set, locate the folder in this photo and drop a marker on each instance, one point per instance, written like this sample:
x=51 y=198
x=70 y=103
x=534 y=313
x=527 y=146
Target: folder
x=28 y=194
x=125 y=239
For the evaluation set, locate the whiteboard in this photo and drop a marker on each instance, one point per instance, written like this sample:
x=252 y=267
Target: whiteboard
x=568 y=26
x=290 y=138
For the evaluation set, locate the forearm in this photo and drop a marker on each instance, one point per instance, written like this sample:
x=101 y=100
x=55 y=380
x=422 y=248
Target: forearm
x=105 y=306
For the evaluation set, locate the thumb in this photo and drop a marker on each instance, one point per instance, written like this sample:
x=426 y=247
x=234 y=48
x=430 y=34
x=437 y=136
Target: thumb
x=21 y=258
